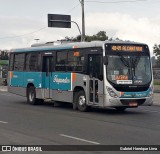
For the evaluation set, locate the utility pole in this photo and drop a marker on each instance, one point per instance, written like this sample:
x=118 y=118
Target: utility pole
x=83 y=21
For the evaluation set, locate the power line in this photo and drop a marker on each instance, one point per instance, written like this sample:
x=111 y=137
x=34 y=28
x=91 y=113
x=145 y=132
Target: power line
x=8 y=37
x=23 y=34
x=73 y=8
x=123 y=1
x=93 y=1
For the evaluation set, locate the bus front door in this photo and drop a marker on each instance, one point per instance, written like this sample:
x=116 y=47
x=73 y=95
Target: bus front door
x=95 y=73
x=47 y=74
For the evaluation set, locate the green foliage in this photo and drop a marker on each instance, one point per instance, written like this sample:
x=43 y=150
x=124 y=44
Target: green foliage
x=4 y=55
x=101 y=36
x=3 y=62
x=156 y=51
x=156 y=82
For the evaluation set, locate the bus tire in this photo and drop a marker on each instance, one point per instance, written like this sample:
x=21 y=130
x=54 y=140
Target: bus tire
x=75 y=101
x=120 y=109
x=31 y=96
x=81 y=101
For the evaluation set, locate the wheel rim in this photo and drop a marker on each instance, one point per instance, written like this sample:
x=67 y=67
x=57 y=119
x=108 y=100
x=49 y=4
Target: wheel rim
x=82 y=100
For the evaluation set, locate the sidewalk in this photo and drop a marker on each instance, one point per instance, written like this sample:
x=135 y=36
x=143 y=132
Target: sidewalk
x=156 y=98
x=3 y=88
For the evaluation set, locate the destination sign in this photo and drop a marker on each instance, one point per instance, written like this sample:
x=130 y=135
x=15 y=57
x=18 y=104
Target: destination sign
x=130 y=48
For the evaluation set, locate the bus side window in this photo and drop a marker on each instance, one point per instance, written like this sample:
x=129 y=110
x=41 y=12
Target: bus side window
x=61 y=61
x=27 y=68
x=95 y=67
x=19 y=62
x=75 y=61
x=39 y=62
x=31 y=62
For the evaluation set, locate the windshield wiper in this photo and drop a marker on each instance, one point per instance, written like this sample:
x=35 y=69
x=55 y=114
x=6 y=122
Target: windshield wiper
x=124 y=61
x=135 y=61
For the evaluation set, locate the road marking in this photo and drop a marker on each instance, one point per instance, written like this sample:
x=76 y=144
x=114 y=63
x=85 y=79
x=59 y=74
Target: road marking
x=76 y=138
x=3 y=122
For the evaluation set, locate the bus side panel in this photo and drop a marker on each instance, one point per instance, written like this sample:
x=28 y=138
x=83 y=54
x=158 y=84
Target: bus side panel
x=20 y=80
x=61 y=86
x=63 y=96
x=61 y=81
x=33 y=77
x=82 y=80
x=16 y=81
x=21 y=91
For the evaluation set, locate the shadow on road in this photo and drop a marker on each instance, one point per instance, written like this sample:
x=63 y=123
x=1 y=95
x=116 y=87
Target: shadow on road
x=67 y=107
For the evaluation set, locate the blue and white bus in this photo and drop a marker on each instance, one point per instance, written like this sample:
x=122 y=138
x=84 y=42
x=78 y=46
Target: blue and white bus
x=102 y=74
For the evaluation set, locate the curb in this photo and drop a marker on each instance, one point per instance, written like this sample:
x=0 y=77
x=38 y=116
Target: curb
x=3 y=90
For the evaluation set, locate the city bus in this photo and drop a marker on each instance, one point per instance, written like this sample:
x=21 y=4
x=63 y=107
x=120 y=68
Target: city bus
x=101 y=74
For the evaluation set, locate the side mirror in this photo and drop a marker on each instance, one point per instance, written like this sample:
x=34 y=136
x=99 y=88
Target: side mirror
x=105 y=60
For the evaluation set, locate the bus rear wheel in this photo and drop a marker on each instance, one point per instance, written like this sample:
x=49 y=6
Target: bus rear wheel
x=31 y=96
x=81 y=101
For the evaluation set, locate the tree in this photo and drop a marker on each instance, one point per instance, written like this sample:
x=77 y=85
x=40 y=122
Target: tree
x=101 y=36
x=156 y=51
x=4 y=55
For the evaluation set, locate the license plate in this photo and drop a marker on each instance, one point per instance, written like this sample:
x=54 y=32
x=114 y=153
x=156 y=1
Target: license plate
x=133 y=104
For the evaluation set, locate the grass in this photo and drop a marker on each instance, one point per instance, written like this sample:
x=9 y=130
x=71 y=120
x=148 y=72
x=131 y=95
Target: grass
x=157 y=82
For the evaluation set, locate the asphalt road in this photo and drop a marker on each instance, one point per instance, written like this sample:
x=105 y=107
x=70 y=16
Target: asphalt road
x=24 y=124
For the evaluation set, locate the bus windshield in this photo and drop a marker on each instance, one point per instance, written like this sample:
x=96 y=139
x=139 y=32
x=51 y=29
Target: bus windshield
x=130 y=70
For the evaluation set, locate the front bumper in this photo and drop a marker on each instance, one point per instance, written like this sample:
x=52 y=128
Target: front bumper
x=128 y=102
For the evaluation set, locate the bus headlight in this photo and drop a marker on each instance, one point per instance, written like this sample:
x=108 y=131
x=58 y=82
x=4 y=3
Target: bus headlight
x=151 y=92
x=111 y=92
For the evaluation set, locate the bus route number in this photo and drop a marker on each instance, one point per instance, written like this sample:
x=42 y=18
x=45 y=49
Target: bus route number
x=127 y=48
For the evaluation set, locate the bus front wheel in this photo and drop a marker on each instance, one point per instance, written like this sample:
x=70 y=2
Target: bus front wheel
x=81 y=101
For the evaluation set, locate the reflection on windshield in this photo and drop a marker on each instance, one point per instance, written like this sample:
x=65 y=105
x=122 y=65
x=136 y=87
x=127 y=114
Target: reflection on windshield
x=134 y=70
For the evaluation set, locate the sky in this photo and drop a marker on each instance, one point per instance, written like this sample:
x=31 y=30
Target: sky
x=23 y=21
